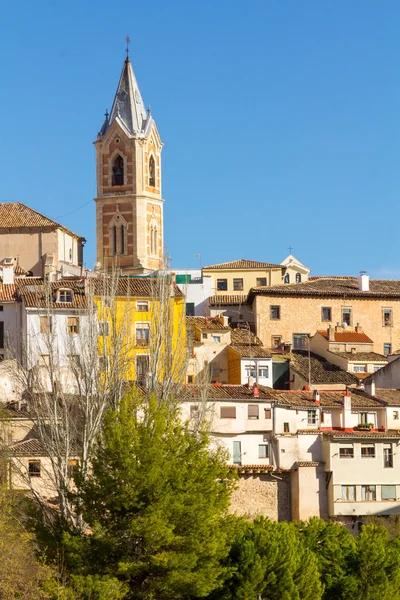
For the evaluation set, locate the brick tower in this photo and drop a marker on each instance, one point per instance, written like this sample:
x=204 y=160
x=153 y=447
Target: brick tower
x=129 y=206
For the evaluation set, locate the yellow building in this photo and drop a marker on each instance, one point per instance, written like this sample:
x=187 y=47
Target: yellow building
x=141 y=328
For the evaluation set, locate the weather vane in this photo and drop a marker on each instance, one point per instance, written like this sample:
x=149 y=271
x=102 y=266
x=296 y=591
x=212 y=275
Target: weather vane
x=128 y=41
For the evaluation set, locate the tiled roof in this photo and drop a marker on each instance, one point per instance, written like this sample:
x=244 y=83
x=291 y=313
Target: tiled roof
x=242 y=337
x=227 y=299
x=390 y=397
x=305 y=399
x=308 y=463
x=135 y=287
x=251 y=351
x=8 y=292
x=243 y=264
x=38 y=294
x=15 y=215
x=347 y=336
x=362 y=356
x=343 y=287
x=252 y=468
x=390 y=433
x=28 y=447
x=193 y=392
x=209 y=323
x=322 y=371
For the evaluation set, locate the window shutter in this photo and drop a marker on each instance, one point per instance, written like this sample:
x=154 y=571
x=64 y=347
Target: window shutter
x=267 y=413
x=253 y=411
x=228 y=412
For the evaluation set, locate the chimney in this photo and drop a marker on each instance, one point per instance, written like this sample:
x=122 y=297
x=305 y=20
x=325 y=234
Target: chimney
x=256 y=393
x=224 y=320
x=8 y=273
x=331 y=333
x=316 y=398
x=359 y=329
x=353 y=351
x=370 y=387
x=347 y=411
x=363 y=281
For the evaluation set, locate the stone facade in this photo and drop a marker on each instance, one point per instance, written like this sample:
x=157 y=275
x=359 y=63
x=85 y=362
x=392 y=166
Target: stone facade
x=263 y=495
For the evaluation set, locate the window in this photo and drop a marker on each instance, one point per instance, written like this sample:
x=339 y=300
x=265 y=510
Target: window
x=276 y=341
x=348 y=493
x=263 y=451
x=346 y=316
x=298 y=278
x=34 y=468
x=190 y=379
x=387 y=317
x=238 y=285
x=267 y=413
x=142 y=368
x=118 y=171
x=45 y=324
x=252 y=411
x=300 y=341
x=311 y=417
x=250 y=371
x=363 y=418
x=216 y=339
x=263 y=371
x=222 y=285
x=326 y=313
x=359 y=368
x=260 y=281
x=72 y=325
x=286 y=279
x=237 y=453
x=65 y=296
x=153 y=240
x=204 y=336
x=190 y=309
x=368 y=492
x=142 y=334
x=388 y=492
x=114 y=235
x=104 y=328
x=72 y=467
x=286 y=427
x=395 y=415
x=194 y=410
x=122 y=239
x=152 y=171
x=142 y=306
x=275 y=313
x=387 y=456
x=367 y=450
x=228 y=412
x=346 y=452
x=1 y=308
x=387 y=349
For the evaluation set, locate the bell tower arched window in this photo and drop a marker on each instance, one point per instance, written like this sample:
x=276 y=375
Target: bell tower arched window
x=298 y=278
x=153 y=240
x=118 y=171
x=152 y=171
x=287 y=278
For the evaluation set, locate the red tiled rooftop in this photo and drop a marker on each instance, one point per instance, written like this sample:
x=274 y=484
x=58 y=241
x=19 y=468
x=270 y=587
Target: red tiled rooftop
x=347 y=336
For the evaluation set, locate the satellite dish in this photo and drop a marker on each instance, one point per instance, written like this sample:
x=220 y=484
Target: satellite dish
x=344 y=325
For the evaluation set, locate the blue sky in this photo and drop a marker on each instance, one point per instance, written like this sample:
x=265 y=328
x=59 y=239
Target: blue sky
x=280 y=120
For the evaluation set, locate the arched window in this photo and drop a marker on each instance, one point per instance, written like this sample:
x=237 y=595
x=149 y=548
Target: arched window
x=298 y=277
x=152 y=171
x=118 y=171
x=153 y=240
x=122 y=239
x=114 y=231
x=287 y=278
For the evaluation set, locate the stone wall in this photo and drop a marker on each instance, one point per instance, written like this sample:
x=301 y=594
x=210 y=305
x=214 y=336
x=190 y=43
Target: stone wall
x=263 y=495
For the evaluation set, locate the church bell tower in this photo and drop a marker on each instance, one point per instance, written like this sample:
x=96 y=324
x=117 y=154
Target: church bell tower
x=129 y=206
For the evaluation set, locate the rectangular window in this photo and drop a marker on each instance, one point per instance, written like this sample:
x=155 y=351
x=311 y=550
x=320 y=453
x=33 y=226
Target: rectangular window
x=104 y=328
x=250 y=370
x=367 y=450
x=237 y=453
x=263 y=451
x=261 y=281
x=142 y=368
x=300 y=341
x=368 y=492
x=326 y=313
x=65 y=296
x=1 y=308
x=228 y=412
x=387 y=317
x=142 y=335
x=359 y=368
x=34 y=468
x=263 y=372
x=286 y=427
x=190 y=379
x=387 y=456
x=276 y=341
x=395 y=415
x=311 y=417
x=190 y=309
x=275 y=313
x=267 y=413
x=346 y=316
x=216 y=339
x=194 y=410
x=388 y=492
x=204 y=336
x=363 y=418
x=1 y=334
x=72 y=325
x=387 y=349
x=45 y=324
x=238 y=285
x=348 y=493
x=222 y=285
x=252 y=411
x=346 y=452
x=142 y=306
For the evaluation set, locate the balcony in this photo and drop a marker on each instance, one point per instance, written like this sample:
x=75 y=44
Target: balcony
x=142 y=343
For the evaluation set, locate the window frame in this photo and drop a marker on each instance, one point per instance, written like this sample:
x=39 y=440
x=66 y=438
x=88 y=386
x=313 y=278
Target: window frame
x=367 y=451
x=387 y=347
x=302 y=336
x=255 y=408
x=366 y=490
x=31 y=471
x=265 y=448
x=346 y=488
x=238 y=281
x=216 y=339
x=275 y=309
x=323 y=319
x=258 y=279
x=389 y=485
x=263 y=368
x=227 y=409
x=222 y=285
x=142 y=341
x=66 y=293
x=350 y=313
x=387 y=322
x=344 y=452
x=388 y=457
x=142 y=306
x=312 y=416
x=73 y=325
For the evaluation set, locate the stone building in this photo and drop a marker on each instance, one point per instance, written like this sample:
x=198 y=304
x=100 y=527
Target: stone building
x=129 y=205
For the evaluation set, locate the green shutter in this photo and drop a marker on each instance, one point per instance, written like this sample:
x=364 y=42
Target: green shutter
x=237 y=453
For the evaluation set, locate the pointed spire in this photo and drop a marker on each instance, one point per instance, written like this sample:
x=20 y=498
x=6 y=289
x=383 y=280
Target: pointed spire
x=128 y=105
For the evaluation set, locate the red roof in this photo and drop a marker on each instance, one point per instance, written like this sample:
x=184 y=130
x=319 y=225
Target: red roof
x=348 y=336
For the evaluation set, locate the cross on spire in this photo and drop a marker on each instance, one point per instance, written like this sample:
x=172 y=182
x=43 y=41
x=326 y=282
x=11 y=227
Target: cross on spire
x=128 y=41
x=290 y=248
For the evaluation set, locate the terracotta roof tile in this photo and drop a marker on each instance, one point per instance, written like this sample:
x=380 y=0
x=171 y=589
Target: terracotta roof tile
x=362 y=356
x=308 y=463
x=389 y=397
x=390 y=433
x=243 y=264
x=37 y=294
x=241 y=337
x=322 y=371
x=28 y=447
x=206 y=323
x=347 y=336
x=135 y=287
x=251 y=351
x=252 y=468
x=225 y=299
x=8 y=292
x=306 y=400
x=191 y=392
x=15 y=215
